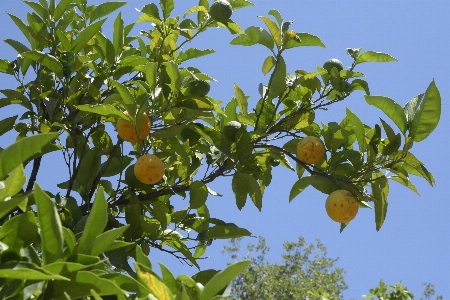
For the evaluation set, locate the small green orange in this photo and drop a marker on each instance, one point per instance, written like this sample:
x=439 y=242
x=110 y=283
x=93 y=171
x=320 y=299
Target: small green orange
x=333 y=62
x=220 y=11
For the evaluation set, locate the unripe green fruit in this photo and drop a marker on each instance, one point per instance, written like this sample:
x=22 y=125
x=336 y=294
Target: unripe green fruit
x=220 y=11
x=333 y=62
x=230 y=130
x=200 y=88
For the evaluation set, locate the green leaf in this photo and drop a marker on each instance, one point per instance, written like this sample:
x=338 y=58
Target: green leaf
x=84 y=36
x=104 y=241
x=167 y=7
x=22 y=150
x=45 y=59
x=323 y=184
x=274 y=29
x=241 y=99
x=126 y=96
x=306 y=39
x=222 y=279
x=244 y=184
x=226 y=232
x=118 y=35
x=50 y=226
x=277 y=82
x=372 y=56
x=195 y=103
x=105 y=9
x=423 y=113
x=198 y=194
x=6 y=67
x=60 y=9
x=395 y=140
x=27 y=271
x=106 y=110
x=254 y=35
x=168 y=278
x=7 y=124
x=154 y=283
x=392 y=109
x=268 y=64
x=299 y=187
x=174 y=74
x=276 y=14
x=193 y=53
x=214 y=137
x=19 y=231
x=95 y=223
x=14 y=183
x=7 y=206
x=380 y=190
x=358 y=127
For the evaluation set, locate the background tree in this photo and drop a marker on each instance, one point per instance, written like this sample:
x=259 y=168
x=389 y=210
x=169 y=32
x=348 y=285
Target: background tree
x=93 y=98
x=305 y=271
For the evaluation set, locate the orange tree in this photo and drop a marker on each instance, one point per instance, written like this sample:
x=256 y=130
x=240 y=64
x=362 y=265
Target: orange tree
x=75 y=84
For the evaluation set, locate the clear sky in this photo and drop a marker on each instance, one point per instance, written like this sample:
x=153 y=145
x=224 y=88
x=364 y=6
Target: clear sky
x=413 y=246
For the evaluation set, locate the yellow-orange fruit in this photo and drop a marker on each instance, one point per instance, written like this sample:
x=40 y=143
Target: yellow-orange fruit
x=342 y=206
x=127 y=129
x=310 y=150
x=149 y=169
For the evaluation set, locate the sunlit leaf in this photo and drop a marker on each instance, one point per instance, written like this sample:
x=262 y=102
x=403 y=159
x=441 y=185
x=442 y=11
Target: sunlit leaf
x=22 y=150
x=50 y=226
x=84 y=36
x=423 y=113
x=392 y=109
x=105 y=9
x=380 y=190
x=222 y=279
x=372 y=56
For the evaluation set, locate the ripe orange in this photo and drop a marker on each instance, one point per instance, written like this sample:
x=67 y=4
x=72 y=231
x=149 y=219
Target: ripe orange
x=149 y=169
x=310 y=150
x=127 y=129
x=342 y=206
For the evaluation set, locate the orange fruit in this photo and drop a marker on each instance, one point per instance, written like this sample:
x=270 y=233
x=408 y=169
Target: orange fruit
x=149 y=169
x=342 y=206
x=310 y=150
x=128 y=131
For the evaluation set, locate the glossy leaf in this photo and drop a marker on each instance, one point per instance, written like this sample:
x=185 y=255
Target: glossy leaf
x=274 y=29
x=192 y=53
x=392 y=109
x=19 y=232
x=13 y=184
x=50 y=226
x=299 y=186
x=241 y=99
x=7 y=206
x=380 y=190
x=155 y=284
x=106 y=110
x=198 y=194
x=222 y=279
x=372 y=56
x=84 y=36
x=105 y=9
x=358 y=127
x=95 y=223
x=305 y=39
x=277 y=82
x=226 y=232
x=27 y=271
x=268 y=64
x=45 y=59
x=104 y=241
x=423 y=113
x=244 y=184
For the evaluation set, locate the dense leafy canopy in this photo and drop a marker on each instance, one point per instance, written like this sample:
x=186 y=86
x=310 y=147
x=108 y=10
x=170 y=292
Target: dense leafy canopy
x=74 y=83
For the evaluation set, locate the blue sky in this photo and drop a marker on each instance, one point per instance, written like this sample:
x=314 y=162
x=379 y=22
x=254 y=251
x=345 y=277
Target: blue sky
x=413 y=246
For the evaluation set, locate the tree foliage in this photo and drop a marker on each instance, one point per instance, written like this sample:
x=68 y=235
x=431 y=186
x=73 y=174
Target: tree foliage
x=73 y=83
x=304 y=273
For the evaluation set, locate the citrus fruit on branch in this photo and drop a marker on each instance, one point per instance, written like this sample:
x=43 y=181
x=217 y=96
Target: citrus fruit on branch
x=128 y=131
x=200 y=88
x=230 y=130
x=333 y=62
x=310 y=150
x=220 y=11
x=149 y=169
x=342 y=206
